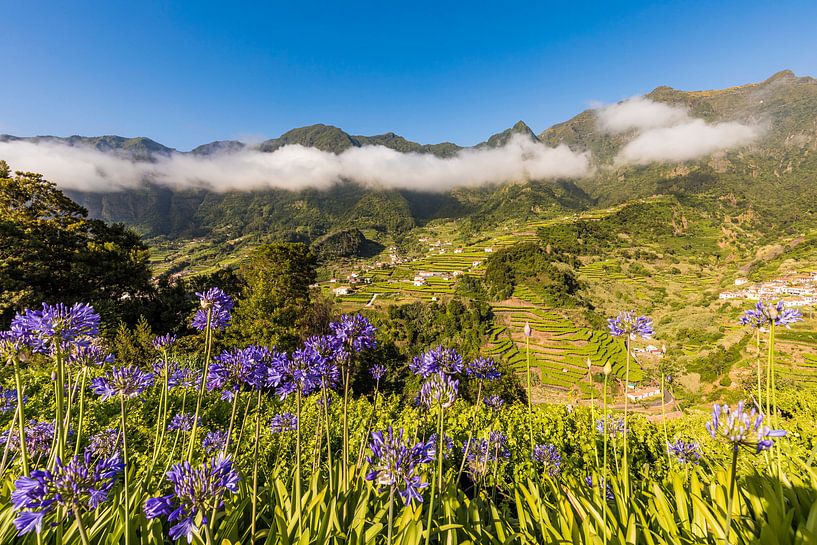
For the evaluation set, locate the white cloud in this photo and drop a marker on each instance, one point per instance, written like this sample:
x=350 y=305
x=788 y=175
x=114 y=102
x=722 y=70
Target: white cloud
x=295 y=167
x=664 y=132
x=640 y=113
x=684 y=142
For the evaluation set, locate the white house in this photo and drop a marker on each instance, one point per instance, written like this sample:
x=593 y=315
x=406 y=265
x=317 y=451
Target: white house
x=644 y=393
x=343 y=290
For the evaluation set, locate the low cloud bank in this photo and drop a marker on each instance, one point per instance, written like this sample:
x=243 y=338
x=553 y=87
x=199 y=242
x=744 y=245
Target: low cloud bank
x=296 y=167
x=668 y=133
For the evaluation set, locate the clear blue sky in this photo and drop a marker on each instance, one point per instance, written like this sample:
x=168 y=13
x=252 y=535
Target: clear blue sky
x=186 y=73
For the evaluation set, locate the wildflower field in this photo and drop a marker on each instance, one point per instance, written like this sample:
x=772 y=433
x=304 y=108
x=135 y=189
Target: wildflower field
x=203 y=444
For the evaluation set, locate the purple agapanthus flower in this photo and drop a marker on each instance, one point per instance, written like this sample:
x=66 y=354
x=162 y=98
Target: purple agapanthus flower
x=324 y=353
x=394 y=464
x=57 y=326
x=549 y=456
x=438 y=360
x=483 y=369
x=685 y=452
x=284 y=422
x=15 y=345
x=218 y=305
x=608 y=490
x=297 y=373
x=431 y=446
x=377 y=371
x=480 y=454
x=8 y=400
x=627 y=324
x=765 y=313
x=615 y=425
x=494 y=402
x=105 y=443
x=89 y=356
x=439 y=391
x=354 y=332
x=742 y=427
x=182 y=422
x=39 y=437
x=183 y=377
x=127 y=382
x=214 y=441
x=197 y=493
x=83 y=483
x=235 y=368
x=164 y=342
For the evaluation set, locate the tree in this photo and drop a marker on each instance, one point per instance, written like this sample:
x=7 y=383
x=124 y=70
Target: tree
x=276 y=303
x=50 y=251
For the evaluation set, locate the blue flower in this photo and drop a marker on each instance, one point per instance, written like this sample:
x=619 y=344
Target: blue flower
x=122 y=381
x=56 y=326
x=608 y=490
x=437 y=360
x=105 y=443
x=214 y=441
x=481 y=453
x=765 y=313
x=439 y=390
x=88 y=356
x=549 y=456
x=377 y=371
x=82 y=483
x=742 y=428
x=615 y=425
x=685 y=452
x=163 y=342
x=8 y=400
x=483 y=369
x=494 y=402
x=284 y=422
x=354 y=332
x=183 y=377
x=324 y=354
x=197 y=492
x=237 y=367
x=39 y=437
x=394 y=463
x=297 y=373
x=182 y=422
x=627 y=324
x=218 y=304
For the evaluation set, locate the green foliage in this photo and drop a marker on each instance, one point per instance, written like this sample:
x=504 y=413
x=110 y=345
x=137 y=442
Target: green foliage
x=538 y=268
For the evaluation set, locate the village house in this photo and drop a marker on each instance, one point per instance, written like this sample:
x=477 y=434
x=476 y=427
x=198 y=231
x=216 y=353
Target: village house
x=342 y=290
x=641 y=394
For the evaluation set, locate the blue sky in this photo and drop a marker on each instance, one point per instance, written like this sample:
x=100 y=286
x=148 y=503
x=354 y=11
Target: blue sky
x=186 y=73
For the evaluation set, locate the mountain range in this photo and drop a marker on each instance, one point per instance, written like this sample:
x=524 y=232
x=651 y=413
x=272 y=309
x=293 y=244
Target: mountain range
x=773 y=175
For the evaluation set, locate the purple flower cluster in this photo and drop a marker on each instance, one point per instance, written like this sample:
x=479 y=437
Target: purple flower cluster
x=439 y=390
x=39 y=437
x=90 y=355
x=13 y=345
x=214 y=441
x=197 y=493
x=284 y=422
x=183 y=377
x=163 y=342
x=549 y=457
x=182 y=422
x=218 y=305
x=377 y=371
x=481 y=453
x=83 y=483
x=56 y=326
x=127 y=382
x=433 y=441
x=685 y=452
x=608 y=490
x=437 y=361
x=483 y=369
x=8 y=400
x=615 y=425
x=105 y=443
x=766 y=313
x=627 y=324
x=354 y=333
x=494 y=402
x=394 y=463
x=742 y=428
x=238 y=367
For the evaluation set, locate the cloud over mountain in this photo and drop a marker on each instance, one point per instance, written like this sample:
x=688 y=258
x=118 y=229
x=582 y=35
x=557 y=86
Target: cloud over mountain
x=295 y=167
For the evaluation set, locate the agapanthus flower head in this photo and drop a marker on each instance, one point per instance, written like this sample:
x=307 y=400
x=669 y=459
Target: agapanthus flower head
x=15 y=345
x=494 y=402
x=105 y=443
x=483 y=369
x=766 y=313
x=57 y=326
x=394 y=463
x=217 y=305
x=183 y=377
x=284 y=422
x=438 y=360
x=164 y=342
x=39 y=437
x=480 y=454
x=615 y=425
x=377 y=371
x=235 y=368
x=182 y=422
x=127 y=382
x=214 y=441
x=90 y=355
x=325 y=353
x=549 y=456
x=603 y=487
x=83 y=483
x=197 y=493
x=8 y=400
x=627 y=324
x=354 y=332
x=297 y=373
x=685 y=452
x=439 y=391
x=433 y=441
x=742 y=427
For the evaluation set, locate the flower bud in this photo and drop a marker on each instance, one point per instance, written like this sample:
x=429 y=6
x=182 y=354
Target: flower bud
x=527 y=329
x=608 y=368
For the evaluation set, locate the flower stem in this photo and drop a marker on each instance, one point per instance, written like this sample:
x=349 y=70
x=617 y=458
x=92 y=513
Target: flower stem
x=126 y=489
x=470 y=433
x=391 y=515
x=298 y=498
x=730 y=497
x=81 y=409
x=208 y=344
x=21 y=421
x=530 y=392
x=626 y=464
x=255 y=467
x=82 y=534
x=604 y=466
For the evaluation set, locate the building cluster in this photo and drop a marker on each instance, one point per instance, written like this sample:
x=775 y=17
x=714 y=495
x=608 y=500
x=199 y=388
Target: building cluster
x=797 y=290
